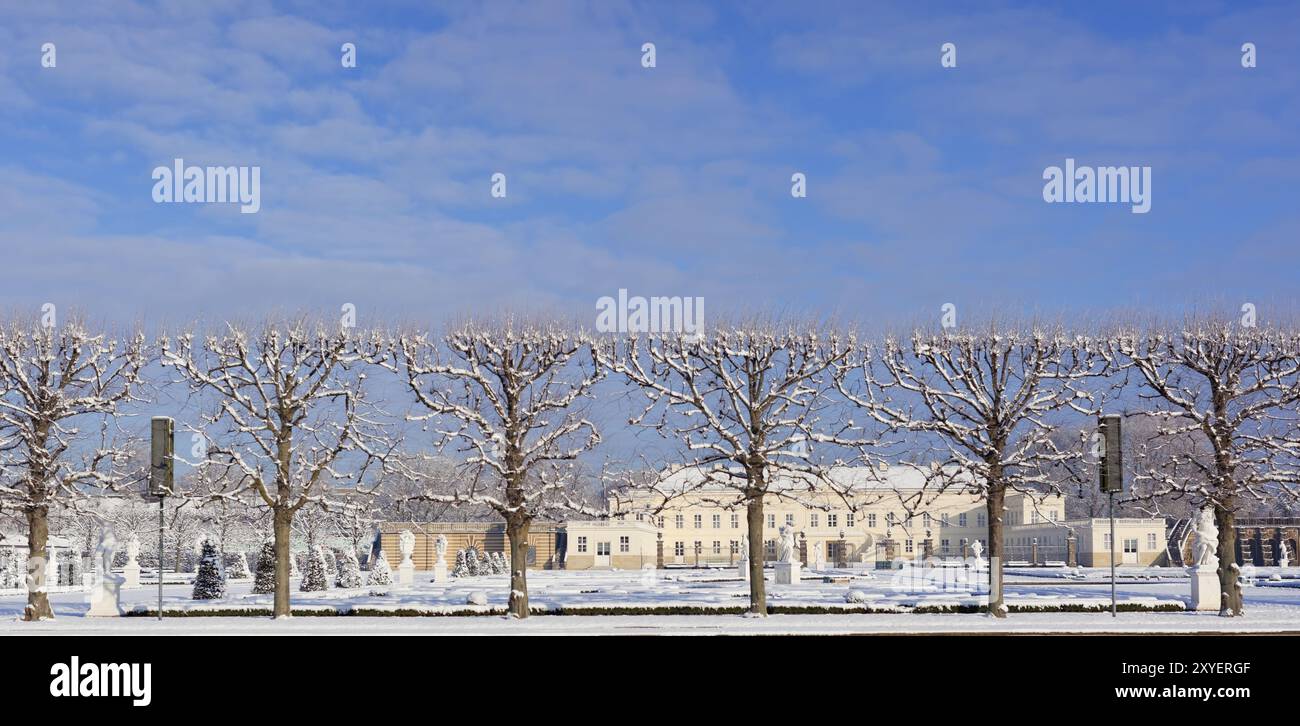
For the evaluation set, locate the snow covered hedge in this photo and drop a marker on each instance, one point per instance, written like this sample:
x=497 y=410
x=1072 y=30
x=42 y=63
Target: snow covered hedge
x=344 y=610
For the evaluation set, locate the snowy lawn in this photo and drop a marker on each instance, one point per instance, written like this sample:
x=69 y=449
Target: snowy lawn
x=1269 y=608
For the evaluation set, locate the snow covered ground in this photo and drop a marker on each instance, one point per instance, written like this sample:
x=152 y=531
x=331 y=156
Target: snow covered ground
x=1271 y=606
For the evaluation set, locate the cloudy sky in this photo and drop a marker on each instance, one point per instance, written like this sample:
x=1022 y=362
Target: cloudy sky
x=924 y=183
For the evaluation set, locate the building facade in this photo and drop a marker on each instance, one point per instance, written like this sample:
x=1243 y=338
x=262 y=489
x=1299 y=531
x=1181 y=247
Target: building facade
x=545 y=542
x=611 y=544
x=875 y=517
x=870 y=518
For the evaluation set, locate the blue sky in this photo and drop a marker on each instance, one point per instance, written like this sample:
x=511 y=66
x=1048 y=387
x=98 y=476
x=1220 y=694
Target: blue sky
x=924 y=183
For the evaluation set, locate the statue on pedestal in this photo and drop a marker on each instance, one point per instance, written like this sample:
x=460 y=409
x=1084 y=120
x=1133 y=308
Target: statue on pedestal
x=787 y=549
x=406 y=568
x=1205 y=546
x=440 y=566
x=105 y=593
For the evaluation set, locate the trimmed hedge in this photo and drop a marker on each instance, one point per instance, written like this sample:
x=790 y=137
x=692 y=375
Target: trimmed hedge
x=370 y=612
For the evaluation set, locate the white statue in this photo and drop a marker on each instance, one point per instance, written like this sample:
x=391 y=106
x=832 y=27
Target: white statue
x=132 y=569
x=744 y=548
x=104 y=552
x=787 y=569
x=787 y=544
x=406 y=568
x=1284 y=558
x=440 y=566
x=105 y=594
x=977 y=548
x=406 y=544
x=1206 y=545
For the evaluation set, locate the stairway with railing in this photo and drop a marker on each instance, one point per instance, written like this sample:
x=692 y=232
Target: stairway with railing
x=1176 y=540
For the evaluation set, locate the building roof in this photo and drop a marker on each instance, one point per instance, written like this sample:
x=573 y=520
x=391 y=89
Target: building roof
x=847 y=479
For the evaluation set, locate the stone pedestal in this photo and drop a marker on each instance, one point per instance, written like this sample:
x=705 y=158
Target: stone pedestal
x=1205 y=589
x=406 y=573
x=106 y=598
x=787 y=573
x=440 y=571
x=131 y=574
x=743 y=568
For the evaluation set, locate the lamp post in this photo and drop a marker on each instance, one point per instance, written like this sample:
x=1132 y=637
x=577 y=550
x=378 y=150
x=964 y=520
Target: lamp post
x=1111 y=475
x=162 y=471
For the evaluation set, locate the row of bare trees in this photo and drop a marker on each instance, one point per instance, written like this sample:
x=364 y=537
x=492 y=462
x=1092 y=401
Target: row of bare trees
x=303 y=415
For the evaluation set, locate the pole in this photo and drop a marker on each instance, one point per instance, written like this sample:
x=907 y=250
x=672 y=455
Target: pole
x=160 y=554
x=1113 y=610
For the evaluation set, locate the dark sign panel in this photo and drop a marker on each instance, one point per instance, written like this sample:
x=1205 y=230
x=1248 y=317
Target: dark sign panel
x=162 y=465
x=1111 y=466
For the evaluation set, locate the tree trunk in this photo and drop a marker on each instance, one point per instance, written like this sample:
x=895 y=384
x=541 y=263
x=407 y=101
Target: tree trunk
x=757 y=587
x=38 y=536
x=283 y=533
x=517 y=532
x=1229 y=581
x=997 y=608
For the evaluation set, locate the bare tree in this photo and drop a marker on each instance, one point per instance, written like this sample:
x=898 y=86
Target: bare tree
x=60 y=389
x=1225 y=399
x=507 y=397
x=288 y=418
x=746 y=404
x=983 y=404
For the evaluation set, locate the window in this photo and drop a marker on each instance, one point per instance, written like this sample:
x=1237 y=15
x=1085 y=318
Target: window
x=717 y=521
x=735 y=547
x=602 y=549
x=769 y=549
x=907 y=546
x=679 y=548
x=943 y=520
x=979 y=520
x=698 y=547
x=926 y=519
x=832 y=520
x=699 y=521
x=871 y=520
x=943 y=543
x=812 y=519
x=735 y=521
x=771 y=521
x=624 y=544
x=961 y=519
x=717 y=547
x=890 y=519
x=661 y=521
x=848 y=519
x=1151 y=540
x=1105 y=541
x=789 y=520
x=680 y=521
x=582 y=546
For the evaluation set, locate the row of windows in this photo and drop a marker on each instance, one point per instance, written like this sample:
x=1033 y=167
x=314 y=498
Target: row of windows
x=909 y=547
x=602 y=548
x=1130 y=544
x=832 y=520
